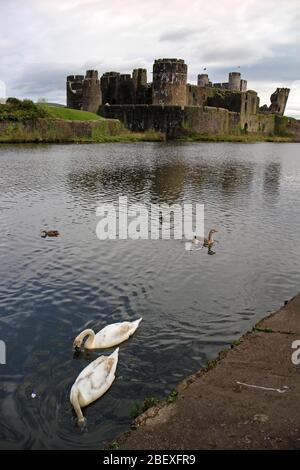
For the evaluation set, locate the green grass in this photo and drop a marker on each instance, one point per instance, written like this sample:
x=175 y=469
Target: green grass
x=114 y=445
x=69 y=114
x=140 y=408
x=172 y=397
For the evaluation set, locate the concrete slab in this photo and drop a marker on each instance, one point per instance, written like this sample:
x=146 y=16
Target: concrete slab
x=287 y=319
x=214 y=411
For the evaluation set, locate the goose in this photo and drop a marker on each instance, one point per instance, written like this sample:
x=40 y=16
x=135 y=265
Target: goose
x=92 y=382
x=110 y=336
x=49 y=233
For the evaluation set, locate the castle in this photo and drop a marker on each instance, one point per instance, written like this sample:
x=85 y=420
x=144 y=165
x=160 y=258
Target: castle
x=171 y=105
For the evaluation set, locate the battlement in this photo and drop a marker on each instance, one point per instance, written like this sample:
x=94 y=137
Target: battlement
x=174 y=69
x=111 y=74
x=179 y=61
x=91 y=74
x=125 y=77
x=75 y=78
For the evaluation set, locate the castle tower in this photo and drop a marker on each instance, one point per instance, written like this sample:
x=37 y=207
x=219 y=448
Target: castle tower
x=139 y=77
x=234 y=82
x=243 y=85
x=91 y=93
x=278 y=101
x=169 y=82
x=203 y=80
x=74 y=91
x=126 y=91
x=109 y=87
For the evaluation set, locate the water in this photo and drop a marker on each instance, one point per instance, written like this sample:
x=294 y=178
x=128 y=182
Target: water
x=193 y=305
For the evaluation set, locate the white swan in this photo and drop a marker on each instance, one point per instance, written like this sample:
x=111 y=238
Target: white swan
x=110 y=336
x=92 y=382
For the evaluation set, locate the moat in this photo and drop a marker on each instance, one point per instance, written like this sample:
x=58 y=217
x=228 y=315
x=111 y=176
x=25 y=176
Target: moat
x=193 y=305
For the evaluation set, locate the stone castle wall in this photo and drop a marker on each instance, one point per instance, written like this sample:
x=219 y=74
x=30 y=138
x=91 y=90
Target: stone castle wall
x=177 y=121
x=173 y=120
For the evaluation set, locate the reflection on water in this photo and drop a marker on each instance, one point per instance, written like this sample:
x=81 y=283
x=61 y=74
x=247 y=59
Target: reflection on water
x=192 y=304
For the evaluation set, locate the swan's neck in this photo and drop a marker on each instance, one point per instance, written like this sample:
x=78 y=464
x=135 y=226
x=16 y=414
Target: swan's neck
x=91 y=337
x=77 y=408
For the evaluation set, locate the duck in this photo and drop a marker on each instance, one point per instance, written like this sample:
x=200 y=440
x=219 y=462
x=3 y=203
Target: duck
x=206 y=242
x=109 y=336
x=209 y=241
x=49 y=233
x=92 y=382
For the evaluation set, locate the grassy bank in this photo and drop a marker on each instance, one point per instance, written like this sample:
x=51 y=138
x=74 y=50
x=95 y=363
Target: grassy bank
x=24 y=121
x=56 y=112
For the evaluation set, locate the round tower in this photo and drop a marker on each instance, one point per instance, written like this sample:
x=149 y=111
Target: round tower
x=91 y=93
x=169 y=82
x=74 y=91
x=234 y=81
x=203 y=80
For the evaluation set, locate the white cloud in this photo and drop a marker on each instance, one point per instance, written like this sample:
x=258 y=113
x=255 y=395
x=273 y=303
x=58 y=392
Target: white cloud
x=43 y=41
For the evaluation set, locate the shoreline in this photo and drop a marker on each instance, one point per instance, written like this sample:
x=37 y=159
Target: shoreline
x=246 y=398
x=147 y=137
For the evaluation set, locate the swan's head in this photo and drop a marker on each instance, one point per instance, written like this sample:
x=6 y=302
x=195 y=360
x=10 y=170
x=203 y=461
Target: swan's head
x=77 y=343
x=81 y=423
x=213 y=230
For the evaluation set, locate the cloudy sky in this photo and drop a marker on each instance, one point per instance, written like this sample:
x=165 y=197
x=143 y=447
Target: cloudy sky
x=42 y=41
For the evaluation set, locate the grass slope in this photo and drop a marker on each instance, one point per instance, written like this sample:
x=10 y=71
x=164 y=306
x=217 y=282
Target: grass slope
x=69 y=114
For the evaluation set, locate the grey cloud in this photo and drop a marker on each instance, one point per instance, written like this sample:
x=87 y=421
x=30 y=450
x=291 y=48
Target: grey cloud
x=42 y=42
x=177 y=34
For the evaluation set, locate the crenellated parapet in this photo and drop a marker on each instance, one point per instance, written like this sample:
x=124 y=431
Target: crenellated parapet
x=74 y=91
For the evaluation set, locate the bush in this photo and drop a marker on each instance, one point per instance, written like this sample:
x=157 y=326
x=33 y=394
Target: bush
x=13 y=101
x=20 y=111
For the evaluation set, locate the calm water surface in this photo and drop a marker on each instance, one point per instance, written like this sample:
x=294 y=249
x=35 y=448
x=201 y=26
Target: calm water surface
x=192 y=305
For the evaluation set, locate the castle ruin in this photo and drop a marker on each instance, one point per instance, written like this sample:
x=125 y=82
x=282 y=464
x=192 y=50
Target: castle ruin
x=84 y=92
x=172 y=105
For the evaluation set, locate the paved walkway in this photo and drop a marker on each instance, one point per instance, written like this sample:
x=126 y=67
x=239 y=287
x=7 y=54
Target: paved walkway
x=214 y=411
